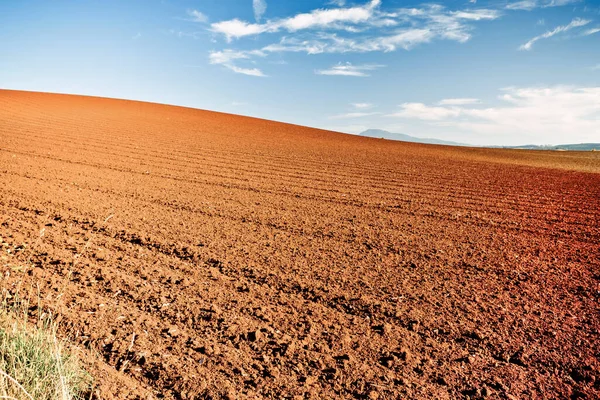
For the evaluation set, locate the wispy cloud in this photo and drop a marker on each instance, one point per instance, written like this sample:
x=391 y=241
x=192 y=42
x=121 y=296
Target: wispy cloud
x=522 y=5
x=321 y=18
x=459 y=102
x=136 y=36
x=529 y=5
x=359 y=29
x=575 y=23
x=182 y=34
x=197 y=16
x=348 y=69
x=545 y=114
x=259 y=6
x=362 y=106
x=425 y=112
x=591 y=31
x=227 y=58
x=596 y=67
x=354 y=115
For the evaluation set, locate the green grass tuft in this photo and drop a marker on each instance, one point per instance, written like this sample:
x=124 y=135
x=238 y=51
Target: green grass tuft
x=34 y=364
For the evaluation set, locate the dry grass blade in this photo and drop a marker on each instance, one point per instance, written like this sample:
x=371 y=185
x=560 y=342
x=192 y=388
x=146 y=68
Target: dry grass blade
x=17 y=384
x=33 y=362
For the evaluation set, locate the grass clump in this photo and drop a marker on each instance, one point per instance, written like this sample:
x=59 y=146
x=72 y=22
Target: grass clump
x=34 y=364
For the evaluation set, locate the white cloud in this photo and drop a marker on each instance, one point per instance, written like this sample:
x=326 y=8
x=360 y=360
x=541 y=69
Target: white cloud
x=227 y=59
x=596 y=67
x=360 y=29
x=557 y=114
x=575 y=23
x=458 y=102
x=591 y=31
x=259 y=6
x=136 y=36
x=348 y=69
x=197 y=16
x=353 y=115
x=357 y=19
x=529 y=5
x=477 y=15
x=362 y=106
x=425 y=112
x=339 y=3
x=236 y=28
x=321 y=18
x=246 y=71
x=326 y=17
x=332 y=43
x=523 y=5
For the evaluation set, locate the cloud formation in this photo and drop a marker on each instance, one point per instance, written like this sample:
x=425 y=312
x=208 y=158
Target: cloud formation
x=197 y=16
x=339 y=28
x=459 y=102
x=259 y=6
x=529 y=5
x=321 y=18
x=358 y=29
x=575 y=23
x=227 y=59
x=410 y=26
x=362 y=106
x=348 y=69
x=591 y=31
x=546 y=114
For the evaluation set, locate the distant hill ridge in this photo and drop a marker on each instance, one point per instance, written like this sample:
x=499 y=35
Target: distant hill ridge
x=380 y=133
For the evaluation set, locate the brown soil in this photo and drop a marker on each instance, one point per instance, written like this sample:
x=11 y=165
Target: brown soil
x=206 y=255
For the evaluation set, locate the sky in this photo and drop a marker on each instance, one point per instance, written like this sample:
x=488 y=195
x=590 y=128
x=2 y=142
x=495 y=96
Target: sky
x=483 y=72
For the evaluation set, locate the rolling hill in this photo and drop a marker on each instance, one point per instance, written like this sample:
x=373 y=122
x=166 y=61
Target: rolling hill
x=194 y=254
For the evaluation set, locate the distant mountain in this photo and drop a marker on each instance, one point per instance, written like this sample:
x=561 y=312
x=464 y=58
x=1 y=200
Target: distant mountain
x=568 y=147
x=379 y=133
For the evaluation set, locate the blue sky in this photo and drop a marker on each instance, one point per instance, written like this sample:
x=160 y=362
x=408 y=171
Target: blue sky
x=481 y=72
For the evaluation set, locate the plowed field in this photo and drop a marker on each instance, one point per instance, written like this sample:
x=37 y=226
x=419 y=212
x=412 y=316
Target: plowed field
x=193 y=254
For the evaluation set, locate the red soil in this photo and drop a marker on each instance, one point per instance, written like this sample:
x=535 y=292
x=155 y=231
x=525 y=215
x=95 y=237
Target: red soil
x=208 y=255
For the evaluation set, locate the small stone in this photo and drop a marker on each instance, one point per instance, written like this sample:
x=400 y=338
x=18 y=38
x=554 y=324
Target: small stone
x=173 y=331
x=346 y=340
x=387 y=329
x=373 y=395
x=311 y=380
x=273 y=372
